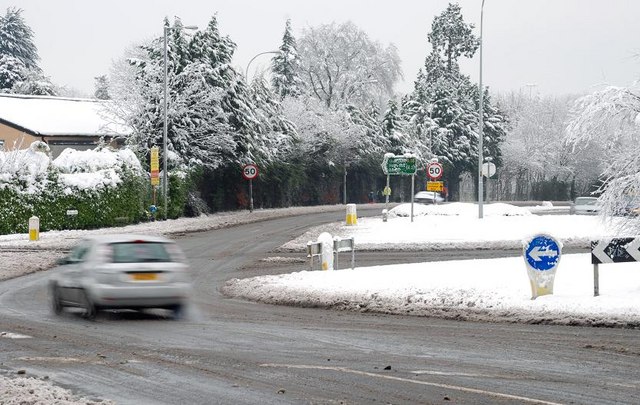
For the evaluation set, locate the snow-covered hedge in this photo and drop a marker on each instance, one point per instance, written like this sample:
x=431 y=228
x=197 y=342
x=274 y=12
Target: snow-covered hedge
x=106 y=188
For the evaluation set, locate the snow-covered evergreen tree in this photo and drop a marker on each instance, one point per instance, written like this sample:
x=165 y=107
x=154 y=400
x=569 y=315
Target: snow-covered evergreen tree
x=214 y=119
x=101 y=85
x=285 y=67
x=16 y=38
x=451 y=37
x=252 y=135
x=201 y=134
x=392 y=128
x=372 y=145
x=19 y=71
x=34 y=82
x=279 y=131
x=11 y=72
x=442 y=111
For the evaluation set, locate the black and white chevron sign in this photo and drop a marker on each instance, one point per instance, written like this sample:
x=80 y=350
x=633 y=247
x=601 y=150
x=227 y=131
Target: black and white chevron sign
x=616 y=250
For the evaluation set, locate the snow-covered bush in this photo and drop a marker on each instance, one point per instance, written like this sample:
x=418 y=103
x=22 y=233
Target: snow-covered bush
x=105 y=187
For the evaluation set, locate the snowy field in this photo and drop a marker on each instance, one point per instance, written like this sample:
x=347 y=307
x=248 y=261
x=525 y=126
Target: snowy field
x=494 y=290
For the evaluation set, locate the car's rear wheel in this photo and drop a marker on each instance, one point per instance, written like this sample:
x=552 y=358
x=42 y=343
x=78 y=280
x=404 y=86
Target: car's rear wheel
x=89 y=309
x=56 y=302
x=177 y=311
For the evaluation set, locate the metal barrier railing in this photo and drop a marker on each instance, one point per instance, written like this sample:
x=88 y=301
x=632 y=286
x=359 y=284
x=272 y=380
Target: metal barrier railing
x=345 y=245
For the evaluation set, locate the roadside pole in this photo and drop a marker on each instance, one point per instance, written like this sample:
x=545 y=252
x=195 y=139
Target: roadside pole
x=250 y=195
x=250 y=172
x=413 y=186
x=386 y=196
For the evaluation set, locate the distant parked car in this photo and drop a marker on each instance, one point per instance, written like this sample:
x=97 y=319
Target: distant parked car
x=631 y=207
x=121 y=272
x=428 y=197
x=584 y=206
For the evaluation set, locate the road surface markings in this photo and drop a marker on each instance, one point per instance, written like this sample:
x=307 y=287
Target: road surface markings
x=10 y=335
x=446 y=373
x=408 y=380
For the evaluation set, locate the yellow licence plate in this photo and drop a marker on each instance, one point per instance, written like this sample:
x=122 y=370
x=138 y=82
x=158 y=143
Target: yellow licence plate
x=144 y=276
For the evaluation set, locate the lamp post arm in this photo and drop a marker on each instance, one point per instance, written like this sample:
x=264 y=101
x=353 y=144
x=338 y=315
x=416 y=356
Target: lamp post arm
x=246 y=72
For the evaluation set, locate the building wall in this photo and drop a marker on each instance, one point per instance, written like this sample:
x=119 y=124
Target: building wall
x=11 y=138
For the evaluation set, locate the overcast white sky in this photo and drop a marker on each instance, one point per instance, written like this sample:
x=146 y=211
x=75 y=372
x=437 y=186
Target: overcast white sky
x=561 y=46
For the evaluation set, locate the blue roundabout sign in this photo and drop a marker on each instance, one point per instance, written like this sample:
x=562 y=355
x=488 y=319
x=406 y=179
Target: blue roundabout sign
x=542 y=253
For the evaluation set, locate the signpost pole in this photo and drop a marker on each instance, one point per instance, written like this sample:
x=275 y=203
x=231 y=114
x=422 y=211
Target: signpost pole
x=250 y=195
x=344 y=185
x=596 y=281
x=413 y=183
x=386 y=197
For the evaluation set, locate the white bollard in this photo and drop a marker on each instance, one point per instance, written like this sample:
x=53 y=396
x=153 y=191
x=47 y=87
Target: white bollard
x=34 y=228
x=352 y=216
x=327 y=250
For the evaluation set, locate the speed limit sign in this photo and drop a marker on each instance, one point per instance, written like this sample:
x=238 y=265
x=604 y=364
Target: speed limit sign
x=434 y=170
x=250 y=172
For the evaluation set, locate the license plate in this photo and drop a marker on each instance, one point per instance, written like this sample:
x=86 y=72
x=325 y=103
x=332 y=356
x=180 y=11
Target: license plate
x=144 y=276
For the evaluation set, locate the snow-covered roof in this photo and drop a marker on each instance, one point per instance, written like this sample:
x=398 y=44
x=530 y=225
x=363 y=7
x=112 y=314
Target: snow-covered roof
x=57 y=116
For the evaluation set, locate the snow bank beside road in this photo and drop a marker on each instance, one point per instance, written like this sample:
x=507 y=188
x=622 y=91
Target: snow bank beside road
x=490 y=290
x=33 y=391
x=456 y=226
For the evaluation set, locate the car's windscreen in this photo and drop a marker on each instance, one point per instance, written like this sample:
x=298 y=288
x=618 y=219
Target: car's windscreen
x=139 y=252
x=586 y=201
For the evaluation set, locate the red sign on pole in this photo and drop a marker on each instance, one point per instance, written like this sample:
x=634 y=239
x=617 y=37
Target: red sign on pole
x=434 y=170
x=250 y=172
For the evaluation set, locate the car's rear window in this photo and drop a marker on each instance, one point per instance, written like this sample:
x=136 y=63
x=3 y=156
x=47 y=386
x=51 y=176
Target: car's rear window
x=140 y=252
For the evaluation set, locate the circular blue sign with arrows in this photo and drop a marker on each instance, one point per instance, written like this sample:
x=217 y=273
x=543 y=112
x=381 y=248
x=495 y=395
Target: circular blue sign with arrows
x=542 y=253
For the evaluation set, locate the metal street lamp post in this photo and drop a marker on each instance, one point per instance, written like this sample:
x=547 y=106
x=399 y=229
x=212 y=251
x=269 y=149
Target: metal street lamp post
x=165 y=173
x=480 y=122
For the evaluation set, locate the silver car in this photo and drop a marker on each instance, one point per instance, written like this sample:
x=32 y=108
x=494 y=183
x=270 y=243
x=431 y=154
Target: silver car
x=121 y=271
x=428 y=197
x=585 y=206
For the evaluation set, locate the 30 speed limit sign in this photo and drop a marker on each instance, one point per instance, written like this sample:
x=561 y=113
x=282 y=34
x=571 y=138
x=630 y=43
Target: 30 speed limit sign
x=434 y=170
x=250 y=172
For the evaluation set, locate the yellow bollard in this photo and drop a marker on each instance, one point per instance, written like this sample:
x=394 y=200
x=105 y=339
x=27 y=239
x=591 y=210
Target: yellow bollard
x=352 y=216
x=34 y=228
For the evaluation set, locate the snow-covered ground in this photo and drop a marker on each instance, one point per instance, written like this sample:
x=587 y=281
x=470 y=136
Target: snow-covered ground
x=496 y=289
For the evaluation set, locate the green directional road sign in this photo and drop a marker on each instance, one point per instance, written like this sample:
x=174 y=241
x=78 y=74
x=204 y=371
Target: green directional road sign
x=399 y=165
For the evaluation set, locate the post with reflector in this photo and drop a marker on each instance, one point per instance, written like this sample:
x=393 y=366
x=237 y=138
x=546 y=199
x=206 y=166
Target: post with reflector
x=352 y=216
x=34 y=228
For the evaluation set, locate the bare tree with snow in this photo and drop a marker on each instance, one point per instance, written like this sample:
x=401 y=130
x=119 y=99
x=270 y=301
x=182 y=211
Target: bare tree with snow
x=342 y=65
x=610 y=119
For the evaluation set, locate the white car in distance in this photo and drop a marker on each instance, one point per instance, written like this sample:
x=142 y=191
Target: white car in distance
x=428 y=197
x=584 y=206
